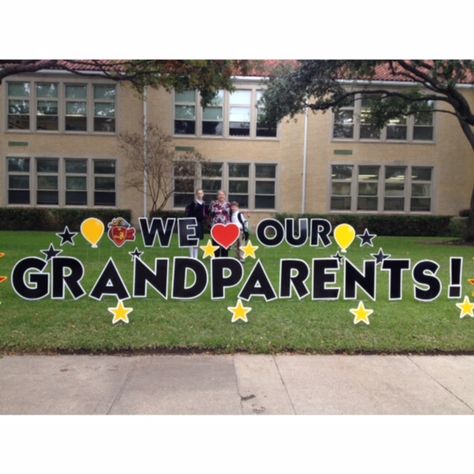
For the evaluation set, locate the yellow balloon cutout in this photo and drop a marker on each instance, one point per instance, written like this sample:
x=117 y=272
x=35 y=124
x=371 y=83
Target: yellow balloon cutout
x=344 y=235
x=92 y=230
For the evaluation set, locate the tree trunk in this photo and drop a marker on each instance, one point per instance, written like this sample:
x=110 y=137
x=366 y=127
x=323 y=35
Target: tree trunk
x=470 y=222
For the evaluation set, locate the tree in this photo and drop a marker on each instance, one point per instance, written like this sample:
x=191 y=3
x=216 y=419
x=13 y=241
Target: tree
x=323 y=85
x=158 y=168
x=207 y=76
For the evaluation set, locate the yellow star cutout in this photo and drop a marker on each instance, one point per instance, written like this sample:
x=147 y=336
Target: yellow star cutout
x=209 y=249
x=466 y=307
x=361 y=313
x=120 y=313
x=249 y=249
x=239 y=311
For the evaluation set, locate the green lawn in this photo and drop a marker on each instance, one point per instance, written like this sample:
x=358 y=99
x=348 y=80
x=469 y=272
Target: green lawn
x=284 y=325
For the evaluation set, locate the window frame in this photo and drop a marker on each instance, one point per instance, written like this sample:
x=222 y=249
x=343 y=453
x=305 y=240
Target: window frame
x=18 y=173
x=14 y=97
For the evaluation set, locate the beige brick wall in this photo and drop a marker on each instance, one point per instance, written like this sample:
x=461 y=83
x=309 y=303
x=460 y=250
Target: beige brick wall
x=450 y=155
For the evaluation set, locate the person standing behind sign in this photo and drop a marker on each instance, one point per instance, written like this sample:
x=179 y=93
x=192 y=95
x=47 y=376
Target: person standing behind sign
x=198 y=209
x=238 y=218
x=220 y=214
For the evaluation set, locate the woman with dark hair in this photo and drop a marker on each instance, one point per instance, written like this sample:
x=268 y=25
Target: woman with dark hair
x=198 y=209
x=220 y=214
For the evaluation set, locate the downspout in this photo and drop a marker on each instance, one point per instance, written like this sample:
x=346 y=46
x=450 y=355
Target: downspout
x=145 y=140
x=305 y=161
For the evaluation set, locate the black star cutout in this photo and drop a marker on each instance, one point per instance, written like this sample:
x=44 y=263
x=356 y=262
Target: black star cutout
x=339 y=257
x=51 y=252
x=135 y=254
x=366 y=238
x=66 y=236
x=380 y=256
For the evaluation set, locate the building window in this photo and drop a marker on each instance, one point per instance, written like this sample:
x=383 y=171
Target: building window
x=397 y=129
x=104 y=108
x=47 y=111
x=368 y=188
x=263 y=129
x=184 y=182
x=344 y=120
x=395 y=177
x=240 y=113
x=47 y=190
x=18 y=180
x=104 y=183
x=76 y=182
x=421 y=189
x=423 y=125
x=76 y=108
x=239 y=183
x=211 y=176
x=18 y=105
x=213 y=116
x=185 y=113
x=265 y=186
x=367 y=131
x=341 y=187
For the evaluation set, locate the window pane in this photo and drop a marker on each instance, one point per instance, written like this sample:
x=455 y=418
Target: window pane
x=368 y=173
x=212 y=128
x=185 y=97
x=238 y=171
x=47 y=107
x=76 y=108
x=340 y=203
x=76 y=166
x=239 y=114
x=104 y=166
x=265 y=202
x=265 y=171
x=424 y=118
x=19 y=89
x=181 y=200
x=102 y=124
x=421 y=190
x=18 y=122
x=213 y=113
x=104 y=92
x=185 y=112
x=423 y=133
x=394 y=204
x=368 y=189
x=76 y=198
x=341 y=189
x=342 y=172
x=240 y=98
x=76 y=183
x=45 y=122
x=367 y=203
x=242 y=199
x=396 y=133
x=395 y=173
x=18 y=106
x=47 y=90
x=76 y=92
x=18 y=197
x=420 y=204
x=184 y=185
x=19 y=164
x=47 y=165
x=104 y=183
x=211 y=186
x=265 y=187
x=218 y=100
x=185 y=168
x=394 y=189
x=344 y=124
x=238 y=186
x=184 y=127
x=19 y=182
x=211 y=169
x=421 y=173
x=47 y=197
x=76 y=123
x=104 y=109
x=104 y=199
x=47 y=182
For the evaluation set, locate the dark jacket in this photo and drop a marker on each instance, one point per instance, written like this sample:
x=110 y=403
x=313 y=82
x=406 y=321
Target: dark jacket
x=201 y=213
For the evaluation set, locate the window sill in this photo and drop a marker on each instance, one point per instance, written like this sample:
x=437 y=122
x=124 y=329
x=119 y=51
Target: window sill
x=57 y=132
x=214 y=137
x=381 y=142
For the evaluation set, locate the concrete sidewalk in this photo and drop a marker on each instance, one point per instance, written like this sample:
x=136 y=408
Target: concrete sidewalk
x=237 y=384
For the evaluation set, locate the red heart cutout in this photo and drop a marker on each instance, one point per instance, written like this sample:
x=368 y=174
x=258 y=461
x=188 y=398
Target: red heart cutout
x=225 y=234
x=120 y=235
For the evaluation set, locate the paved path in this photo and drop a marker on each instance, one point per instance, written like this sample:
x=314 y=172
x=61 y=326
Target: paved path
x=237 y=384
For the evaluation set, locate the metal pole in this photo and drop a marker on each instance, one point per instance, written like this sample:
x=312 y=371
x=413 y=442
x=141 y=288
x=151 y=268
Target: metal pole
x=145 y=139
x=305 y=161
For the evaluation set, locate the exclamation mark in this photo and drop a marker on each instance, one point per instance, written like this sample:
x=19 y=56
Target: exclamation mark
x=455 y=287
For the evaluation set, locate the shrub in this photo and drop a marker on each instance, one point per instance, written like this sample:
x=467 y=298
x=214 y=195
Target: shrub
x=458 y=227
x=39 y=218
x=464 y=213
x=386 y=224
